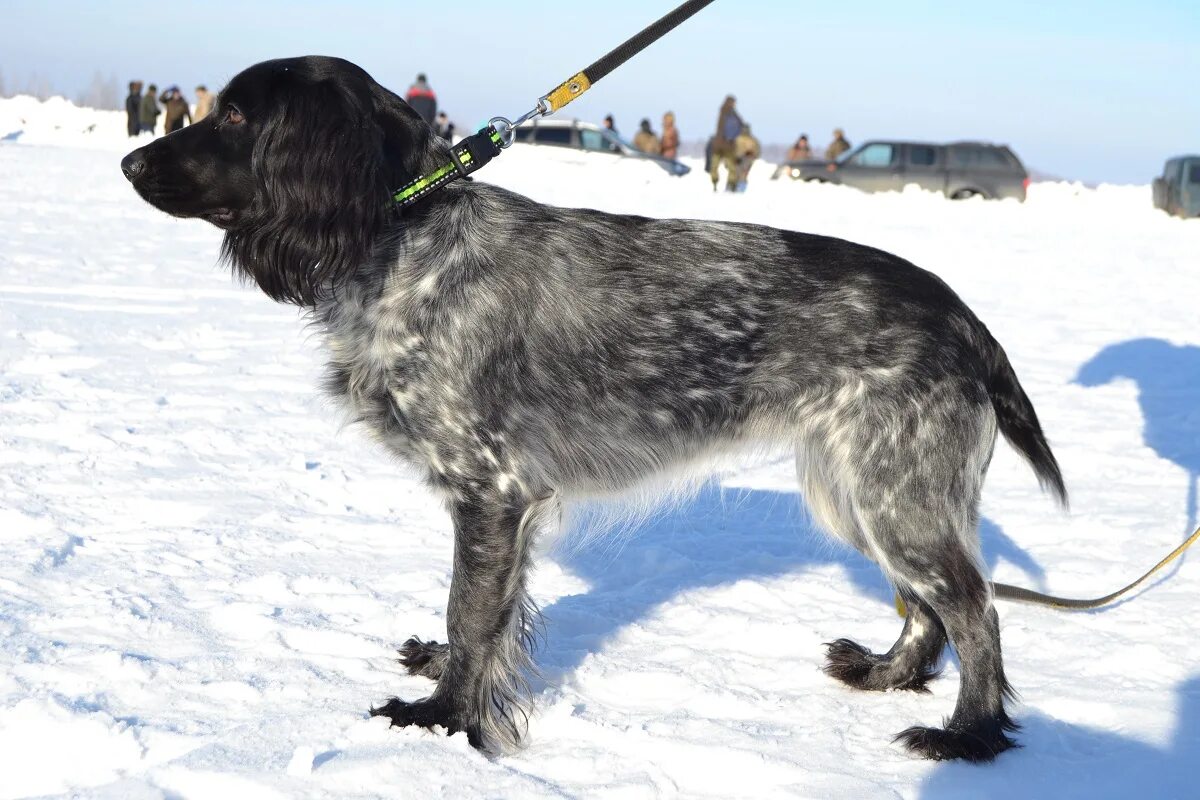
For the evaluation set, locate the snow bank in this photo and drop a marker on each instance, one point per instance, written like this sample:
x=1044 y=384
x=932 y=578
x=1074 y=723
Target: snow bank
x=202 y=579
x=57 y=121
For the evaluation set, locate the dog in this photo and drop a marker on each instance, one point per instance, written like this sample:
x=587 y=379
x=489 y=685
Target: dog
x=523 y=356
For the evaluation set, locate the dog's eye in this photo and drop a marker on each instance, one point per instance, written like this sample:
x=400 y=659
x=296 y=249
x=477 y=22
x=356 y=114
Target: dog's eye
x=233 y=116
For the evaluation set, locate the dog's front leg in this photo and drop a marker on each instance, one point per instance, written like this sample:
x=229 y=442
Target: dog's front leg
x=481 y=682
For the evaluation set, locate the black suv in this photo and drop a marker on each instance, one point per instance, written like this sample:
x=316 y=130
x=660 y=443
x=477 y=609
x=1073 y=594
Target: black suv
x=1177 y=190
x=958 y=170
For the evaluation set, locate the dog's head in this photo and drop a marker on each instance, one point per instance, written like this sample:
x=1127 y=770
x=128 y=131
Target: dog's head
x=296 y=163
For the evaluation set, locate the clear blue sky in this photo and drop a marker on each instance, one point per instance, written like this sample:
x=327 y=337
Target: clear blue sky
x=1091 y=90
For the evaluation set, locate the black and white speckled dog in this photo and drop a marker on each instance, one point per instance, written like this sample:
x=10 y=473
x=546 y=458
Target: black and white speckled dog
x=523 y=356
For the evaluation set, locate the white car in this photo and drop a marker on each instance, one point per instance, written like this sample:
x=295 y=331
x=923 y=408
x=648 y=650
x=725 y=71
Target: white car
x=579 y=135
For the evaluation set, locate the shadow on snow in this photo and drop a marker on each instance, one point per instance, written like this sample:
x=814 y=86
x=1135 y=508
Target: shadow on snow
x=1063 y=760
x=1168 y=383
x=720 y=537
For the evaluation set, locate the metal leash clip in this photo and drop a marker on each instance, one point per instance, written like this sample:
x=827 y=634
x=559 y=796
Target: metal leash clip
x=508 y=130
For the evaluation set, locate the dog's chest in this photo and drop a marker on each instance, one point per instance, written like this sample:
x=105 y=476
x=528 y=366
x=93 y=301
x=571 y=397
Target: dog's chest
x=380 y=368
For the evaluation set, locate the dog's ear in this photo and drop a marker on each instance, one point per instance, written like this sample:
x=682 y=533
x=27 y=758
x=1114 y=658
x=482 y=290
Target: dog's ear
x=410 y=147
x=322 y=190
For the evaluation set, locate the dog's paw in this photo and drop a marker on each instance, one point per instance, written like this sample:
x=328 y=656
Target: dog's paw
x=977 y=745
x=849 y=662
x=427 y=659
x=426 y=714
x=859 y=668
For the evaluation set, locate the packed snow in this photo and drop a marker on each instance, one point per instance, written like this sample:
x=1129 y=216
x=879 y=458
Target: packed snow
x=203 y=577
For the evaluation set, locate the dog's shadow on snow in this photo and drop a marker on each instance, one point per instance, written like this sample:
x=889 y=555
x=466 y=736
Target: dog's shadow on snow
x=1065 y=761
x=722 y=536
x=1168 y=383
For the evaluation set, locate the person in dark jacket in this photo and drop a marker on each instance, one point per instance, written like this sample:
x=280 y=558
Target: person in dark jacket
x=422 y=99
x=176 y=110
x=133 y=109
x=443 y=127
x=729 y=126
x=149 y=111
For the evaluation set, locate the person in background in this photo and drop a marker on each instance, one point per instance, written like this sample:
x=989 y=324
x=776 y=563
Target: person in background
x=838 y=146
x=645 y=140
x=204 y=102
x=729 y=125
x=149 y=111
x=133 y=109
x=176 y=110
x=746 y=150
x=611 y=126
x=800 y=151
x=443 y=127
x=422 y=99
x=670 y=137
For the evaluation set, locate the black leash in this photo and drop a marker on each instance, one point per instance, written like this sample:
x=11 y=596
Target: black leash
x=475 y=151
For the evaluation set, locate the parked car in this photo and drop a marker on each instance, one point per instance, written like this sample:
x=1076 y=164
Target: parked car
x=585 y=136
x=1177 y=190
x=959 y=170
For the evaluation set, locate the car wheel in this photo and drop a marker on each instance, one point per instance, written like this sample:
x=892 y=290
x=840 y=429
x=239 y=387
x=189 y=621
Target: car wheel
x=965 y=194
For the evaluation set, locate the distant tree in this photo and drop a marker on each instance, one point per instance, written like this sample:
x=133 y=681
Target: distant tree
x=102 y=92
x=3 y=88
x=39 y=87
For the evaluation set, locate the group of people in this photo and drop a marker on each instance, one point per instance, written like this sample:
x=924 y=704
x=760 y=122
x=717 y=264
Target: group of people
x=732 y=148
x=646 y=140
x=142 y=109
x=802 y=151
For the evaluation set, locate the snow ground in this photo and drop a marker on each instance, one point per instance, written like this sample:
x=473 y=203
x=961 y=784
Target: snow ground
x=203 y=580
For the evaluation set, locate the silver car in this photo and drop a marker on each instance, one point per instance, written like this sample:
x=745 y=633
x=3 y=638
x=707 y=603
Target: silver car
x=579 y=135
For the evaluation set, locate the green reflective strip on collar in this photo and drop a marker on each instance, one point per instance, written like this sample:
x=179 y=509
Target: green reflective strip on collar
x=464 y=162
x=420 y=184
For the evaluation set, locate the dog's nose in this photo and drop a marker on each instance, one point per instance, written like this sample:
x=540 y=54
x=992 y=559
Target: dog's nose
x=132 y=165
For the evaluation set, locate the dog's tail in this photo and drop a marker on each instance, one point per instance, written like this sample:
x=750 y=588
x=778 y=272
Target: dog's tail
x=1019 y=424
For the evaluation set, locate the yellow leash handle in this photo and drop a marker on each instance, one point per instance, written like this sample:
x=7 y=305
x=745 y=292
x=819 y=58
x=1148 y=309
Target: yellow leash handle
x=1004 y=591
x=567 y=91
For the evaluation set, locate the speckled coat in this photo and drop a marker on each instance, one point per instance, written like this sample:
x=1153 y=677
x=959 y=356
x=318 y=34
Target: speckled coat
x=523 y=357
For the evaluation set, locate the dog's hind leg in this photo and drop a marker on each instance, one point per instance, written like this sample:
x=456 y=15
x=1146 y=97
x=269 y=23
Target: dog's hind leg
x=480 y=673
x=921 y=517
x=912 y=661
x=949 y=581
x=910 y=664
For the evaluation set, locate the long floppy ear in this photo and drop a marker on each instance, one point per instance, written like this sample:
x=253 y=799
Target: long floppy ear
x=322 y=196
x=410 y=147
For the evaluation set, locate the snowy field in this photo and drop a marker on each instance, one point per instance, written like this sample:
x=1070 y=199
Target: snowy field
x=203 y=579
